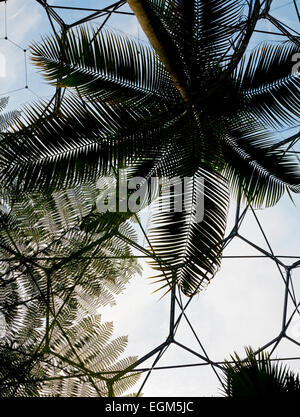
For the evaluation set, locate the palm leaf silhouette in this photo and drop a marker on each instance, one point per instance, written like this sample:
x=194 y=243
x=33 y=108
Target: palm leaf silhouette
x=184 y=107
x=258 y=376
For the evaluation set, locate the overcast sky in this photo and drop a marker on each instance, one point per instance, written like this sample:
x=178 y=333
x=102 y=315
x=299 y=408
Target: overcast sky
x=243 y=304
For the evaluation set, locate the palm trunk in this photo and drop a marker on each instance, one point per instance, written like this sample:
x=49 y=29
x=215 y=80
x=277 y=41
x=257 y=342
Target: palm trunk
x=153 y=29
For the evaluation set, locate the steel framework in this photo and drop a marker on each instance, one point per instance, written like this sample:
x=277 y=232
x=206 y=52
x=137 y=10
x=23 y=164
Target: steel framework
x=178 y=305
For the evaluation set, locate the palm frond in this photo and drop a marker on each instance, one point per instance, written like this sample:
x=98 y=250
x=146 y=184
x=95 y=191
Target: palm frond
x=108 y=66
x=188 y=244
x=257 y=376
x=255 y=168
x=79 y=143
x=270 y=88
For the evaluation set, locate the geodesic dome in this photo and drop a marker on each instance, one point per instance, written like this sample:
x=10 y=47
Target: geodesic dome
x=277 y=22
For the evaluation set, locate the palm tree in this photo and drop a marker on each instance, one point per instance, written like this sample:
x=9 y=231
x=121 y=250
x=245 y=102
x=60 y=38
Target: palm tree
x=259 y=377
x=188 y=105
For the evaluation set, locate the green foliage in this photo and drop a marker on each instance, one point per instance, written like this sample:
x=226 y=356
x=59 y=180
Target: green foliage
x=19 y=372
x=54 y=277
x=258 y=376
x=83 y=360
x=8 y=118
